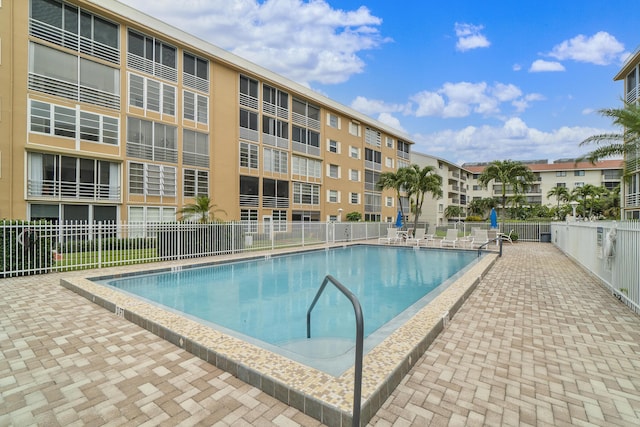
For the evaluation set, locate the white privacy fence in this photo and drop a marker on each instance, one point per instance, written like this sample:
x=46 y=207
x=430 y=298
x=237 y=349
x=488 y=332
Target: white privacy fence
x=34 y=248
x=610 y=250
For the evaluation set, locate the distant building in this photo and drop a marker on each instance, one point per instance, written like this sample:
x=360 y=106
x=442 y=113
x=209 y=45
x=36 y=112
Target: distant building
x=455 y=188
x=630 y=75
x=108 y=114
x=561 y=173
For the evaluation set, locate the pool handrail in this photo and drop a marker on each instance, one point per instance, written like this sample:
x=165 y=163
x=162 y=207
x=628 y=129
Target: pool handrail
x=357 y=381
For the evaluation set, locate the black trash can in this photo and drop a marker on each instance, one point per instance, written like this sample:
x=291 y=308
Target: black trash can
x=545 y=237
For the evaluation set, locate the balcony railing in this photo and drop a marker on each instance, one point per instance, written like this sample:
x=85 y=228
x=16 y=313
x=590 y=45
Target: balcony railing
x=58 y=190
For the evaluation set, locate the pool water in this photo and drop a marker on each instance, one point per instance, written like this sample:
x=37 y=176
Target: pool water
x=267 y=299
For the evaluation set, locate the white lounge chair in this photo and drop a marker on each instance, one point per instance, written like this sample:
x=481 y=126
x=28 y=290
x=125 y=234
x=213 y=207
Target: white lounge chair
x=480 y=237
x=392 y=237
x=418 y=236
x=451 y=237
x=506 y=237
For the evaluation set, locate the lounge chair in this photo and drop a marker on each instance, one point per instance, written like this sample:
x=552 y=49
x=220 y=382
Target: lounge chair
x=480 y=237
x=418 y=236
x=506 y=237
x=493 y=235
x=392 y=237
x=451 y=237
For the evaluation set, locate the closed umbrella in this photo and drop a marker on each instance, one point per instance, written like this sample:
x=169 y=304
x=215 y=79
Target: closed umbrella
x=399 y=220
x=494 y=218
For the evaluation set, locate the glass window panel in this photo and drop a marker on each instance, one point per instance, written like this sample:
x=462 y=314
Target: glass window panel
x=47 y=11
x=99 y=76
x=168 y=56
x=71 y=19
x=53 y=63
x=64 y=122
x=86 y=25
x=105 y=32
x=202 y=69
x=136 y=44
x=136 y=91
x=168 y=99
x=189 y=64
x=89 y=126
x=189 y=105
x=40 y=117
x=153 y=95
x=203 y=109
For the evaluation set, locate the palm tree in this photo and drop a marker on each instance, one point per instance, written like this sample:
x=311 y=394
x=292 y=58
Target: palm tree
x=508 y=173
x=420 y=181
x=203 y=207
x=393 y=181
x=560 y=193
x=626 y=143
x=453 y=211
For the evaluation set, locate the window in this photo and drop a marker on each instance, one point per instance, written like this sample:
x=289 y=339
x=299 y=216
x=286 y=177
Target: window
x=275 y=161
x=151 y=141
x=354 y=152
x=275 y=127
x=152 y=56
x=152 y=95
x=561 y=184
x=61 y=121
x=76 y=29
x=279 y=220
x=333 y=146
x=372 y=202
x=306 y=114
x=68 y=76
x=195 y=72
x=333 y=196
x=388 y=202
x=248 y=155
x=275 y=193
x=151 y=179
x=354 y=175
x=389 y=142
x=354 y=129
x=354 y=198
x=333 y=171
x=196 y=107
x=53 y=175
x=371 y=179
x=249 y=219
x=249 y=189
x=373 y=159
x=195 y=148
x=372 y=137
x=249 y=92
x=561 y=173
x=195 y=182
x=578 y=173
x=305 y=167
x=305 y=140
x=333 y=121
x=151 y=214
x=579 y=184
x=274 y=101
x=388 y=162
x=307 y=194
x=403 y=150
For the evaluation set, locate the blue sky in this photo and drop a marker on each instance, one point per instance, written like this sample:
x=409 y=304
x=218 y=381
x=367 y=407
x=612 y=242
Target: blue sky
x=477 y=81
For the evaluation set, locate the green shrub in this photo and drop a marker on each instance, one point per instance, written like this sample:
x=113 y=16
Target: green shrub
x=474 y=218
x=24 y=249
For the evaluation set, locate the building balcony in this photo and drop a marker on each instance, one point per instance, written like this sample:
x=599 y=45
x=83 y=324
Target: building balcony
x=62 y=190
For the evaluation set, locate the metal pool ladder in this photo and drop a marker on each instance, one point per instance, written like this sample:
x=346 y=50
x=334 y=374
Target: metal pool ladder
x=357 y=382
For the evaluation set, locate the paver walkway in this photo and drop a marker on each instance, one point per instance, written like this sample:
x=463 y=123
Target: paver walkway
x=539 y=342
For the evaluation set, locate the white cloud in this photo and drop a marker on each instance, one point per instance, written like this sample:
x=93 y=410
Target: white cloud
x=601 y=49
x=513 y=140
x=463 y=98
x=391 y=121
x=470 y=37
x=517 y=67
x=540 y=65
x=305 y=41
x=374 y=106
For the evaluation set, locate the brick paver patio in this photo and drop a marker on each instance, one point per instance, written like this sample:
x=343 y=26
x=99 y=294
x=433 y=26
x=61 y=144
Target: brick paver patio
x=540 y=342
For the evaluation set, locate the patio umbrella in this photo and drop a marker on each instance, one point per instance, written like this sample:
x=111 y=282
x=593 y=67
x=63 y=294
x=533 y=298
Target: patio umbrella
x=399 y=220
x=494 y=218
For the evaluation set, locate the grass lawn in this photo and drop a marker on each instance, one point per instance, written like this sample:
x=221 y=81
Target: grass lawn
x=83 y=260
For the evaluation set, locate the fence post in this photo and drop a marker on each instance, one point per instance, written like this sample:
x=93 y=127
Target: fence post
x=99 y=244
x=302 y=233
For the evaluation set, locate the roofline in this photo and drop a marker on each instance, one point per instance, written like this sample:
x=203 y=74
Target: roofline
x=440 y=159
x=634 y=58
x=236 y=61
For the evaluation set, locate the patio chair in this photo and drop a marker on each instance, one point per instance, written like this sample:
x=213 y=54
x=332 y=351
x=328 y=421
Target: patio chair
x=451 y=237
x=480 y=237
x=493 y=235
x=507 y=237
x=392 y=237
x=418 y=236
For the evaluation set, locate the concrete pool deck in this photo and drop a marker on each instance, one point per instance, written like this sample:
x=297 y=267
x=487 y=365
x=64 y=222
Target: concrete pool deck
x=539 y=341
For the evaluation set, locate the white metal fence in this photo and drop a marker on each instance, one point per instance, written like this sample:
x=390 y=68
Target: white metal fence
x=34 y=248
x=610 y=250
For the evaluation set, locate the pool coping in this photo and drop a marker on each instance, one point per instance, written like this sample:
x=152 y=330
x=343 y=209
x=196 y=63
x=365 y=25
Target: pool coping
x=320 y=395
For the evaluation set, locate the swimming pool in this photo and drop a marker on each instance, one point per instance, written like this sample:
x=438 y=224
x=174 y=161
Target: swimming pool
x=265 y=301
x=323 y=396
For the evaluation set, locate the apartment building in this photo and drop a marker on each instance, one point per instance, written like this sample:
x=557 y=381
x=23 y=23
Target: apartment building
x=455 y=188
x=107 y=114
x=630 y=75
x=560 y=173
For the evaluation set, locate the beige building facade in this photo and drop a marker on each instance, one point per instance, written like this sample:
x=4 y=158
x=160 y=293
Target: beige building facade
x=560 y=173
x=630 y=76
x=107 y=114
